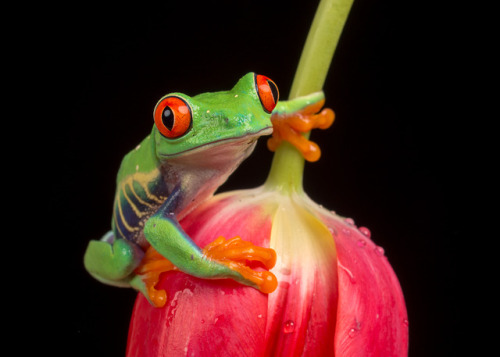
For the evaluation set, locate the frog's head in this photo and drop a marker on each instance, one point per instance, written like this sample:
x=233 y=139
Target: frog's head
x=236 y=118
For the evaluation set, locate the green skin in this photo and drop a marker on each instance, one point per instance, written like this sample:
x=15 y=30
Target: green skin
x=163 y=179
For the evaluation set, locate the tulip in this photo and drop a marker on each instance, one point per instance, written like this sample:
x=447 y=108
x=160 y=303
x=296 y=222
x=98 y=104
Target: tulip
x=337 y=294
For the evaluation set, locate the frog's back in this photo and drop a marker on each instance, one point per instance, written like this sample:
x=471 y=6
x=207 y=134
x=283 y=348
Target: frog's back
x=140 y=190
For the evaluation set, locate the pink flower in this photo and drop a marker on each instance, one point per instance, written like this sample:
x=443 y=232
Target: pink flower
x=337 y=293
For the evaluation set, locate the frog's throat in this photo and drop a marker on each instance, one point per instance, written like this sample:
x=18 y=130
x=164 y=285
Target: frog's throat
x=250 y=138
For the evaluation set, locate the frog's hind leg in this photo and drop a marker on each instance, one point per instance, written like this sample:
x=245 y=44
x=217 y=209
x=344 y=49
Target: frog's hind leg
x=112 y=261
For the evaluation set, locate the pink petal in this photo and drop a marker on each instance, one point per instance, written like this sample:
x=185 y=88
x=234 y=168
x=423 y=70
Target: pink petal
x=371 y=318
x=202 y=318
x=302 y=312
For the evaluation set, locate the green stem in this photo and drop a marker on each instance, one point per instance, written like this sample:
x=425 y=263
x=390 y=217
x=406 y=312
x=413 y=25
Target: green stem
x=288 y=163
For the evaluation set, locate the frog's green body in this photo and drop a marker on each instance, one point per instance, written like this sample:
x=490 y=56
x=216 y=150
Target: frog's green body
x=195 y=145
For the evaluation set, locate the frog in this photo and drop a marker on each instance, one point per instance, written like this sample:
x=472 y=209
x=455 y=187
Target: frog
x=195 y=144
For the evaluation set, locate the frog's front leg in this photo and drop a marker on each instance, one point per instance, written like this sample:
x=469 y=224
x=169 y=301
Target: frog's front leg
x=112 y=261
x=172 y=249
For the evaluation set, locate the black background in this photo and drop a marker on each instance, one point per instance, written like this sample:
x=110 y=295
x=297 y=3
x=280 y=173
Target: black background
x=393 y=160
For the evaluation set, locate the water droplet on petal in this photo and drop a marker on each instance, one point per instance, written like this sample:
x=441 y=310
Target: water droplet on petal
x=365 y=231
x=352 y=332
x=361 y=243
x=346 y=231
x=289 y=327
x=349 y=221
x=406 y=322
x=379 y=251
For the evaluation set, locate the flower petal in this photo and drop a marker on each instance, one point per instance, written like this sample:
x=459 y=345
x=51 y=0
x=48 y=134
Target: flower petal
x=302 y=311
x=371 y=318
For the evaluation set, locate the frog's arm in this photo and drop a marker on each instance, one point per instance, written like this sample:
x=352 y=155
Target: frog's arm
x=298 y=104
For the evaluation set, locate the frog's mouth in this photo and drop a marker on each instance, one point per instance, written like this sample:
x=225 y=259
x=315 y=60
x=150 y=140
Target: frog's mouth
x=223 y=148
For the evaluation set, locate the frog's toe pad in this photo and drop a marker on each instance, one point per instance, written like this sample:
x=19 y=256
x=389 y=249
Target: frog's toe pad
x=290 y=126
x=235 y=253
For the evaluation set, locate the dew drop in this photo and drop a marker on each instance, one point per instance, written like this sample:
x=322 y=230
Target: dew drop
x=366 y=232
x=406 y=322
x=361 y=243
x=379 y=251
x=352 y=332
x=289 y=327
x=349 y=221
x=346 y=231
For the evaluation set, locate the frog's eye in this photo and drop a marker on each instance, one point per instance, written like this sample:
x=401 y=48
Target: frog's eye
x=173 y=117
x=267 y=91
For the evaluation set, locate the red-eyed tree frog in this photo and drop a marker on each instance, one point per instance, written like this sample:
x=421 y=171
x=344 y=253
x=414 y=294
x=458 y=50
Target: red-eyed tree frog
x=195 y=144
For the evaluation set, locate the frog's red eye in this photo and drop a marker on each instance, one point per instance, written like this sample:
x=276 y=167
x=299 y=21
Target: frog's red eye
x=267 y=91
x=173 y=117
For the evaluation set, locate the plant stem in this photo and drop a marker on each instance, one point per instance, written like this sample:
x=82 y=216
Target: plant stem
x=320 y=45
x=288 y=163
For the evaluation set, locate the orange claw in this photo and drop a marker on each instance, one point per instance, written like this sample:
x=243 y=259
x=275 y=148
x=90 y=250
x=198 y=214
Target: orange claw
x=290 y=126
x=235 y=252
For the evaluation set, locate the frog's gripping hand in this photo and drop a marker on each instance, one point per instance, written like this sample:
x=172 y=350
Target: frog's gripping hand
x=219 y=260
x=291 y=119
